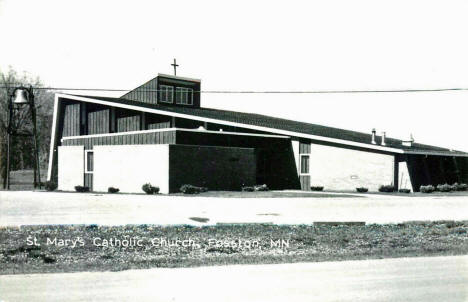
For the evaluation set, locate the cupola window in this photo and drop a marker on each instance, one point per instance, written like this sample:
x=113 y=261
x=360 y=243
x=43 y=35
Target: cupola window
x=166 y=94
x=184 y=96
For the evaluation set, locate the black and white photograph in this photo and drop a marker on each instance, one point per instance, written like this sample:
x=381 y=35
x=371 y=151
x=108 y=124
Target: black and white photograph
x=233 y=150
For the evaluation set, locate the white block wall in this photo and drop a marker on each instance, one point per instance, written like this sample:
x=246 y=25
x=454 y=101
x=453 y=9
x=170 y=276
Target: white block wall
x=295 y=147
x=345 y=169
x=404 y=181
x=70 y=167
x=128 y=167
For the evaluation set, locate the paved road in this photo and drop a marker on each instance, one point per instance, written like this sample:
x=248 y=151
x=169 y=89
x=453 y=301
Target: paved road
x=404 y=279
x=21 y=208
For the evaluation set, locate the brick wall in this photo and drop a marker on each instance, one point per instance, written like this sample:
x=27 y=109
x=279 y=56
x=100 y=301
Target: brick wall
x=218 y=168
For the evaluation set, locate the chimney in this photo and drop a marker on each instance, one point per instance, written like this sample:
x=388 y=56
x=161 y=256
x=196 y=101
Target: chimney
x=373 y=136
x=383 y=138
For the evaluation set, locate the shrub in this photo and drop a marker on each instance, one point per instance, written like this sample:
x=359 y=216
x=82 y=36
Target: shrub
x=460 y=187
x=362 y=189
x=248 y=189
x=190 y=189
x=406 y=191
x=50 y=186
x=445 y=188
x=81 y=189
x=113 y=190
x=149 y=189
x=263 y=187
x=427 y=189
x=316 y=188
x=386 y=188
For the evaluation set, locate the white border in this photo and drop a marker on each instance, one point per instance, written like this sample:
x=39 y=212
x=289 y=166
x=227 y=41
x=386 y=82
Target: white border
x=300 y=164
x=86 y=162
x=164 y=75
x=165 y=90
x=53 y=137
x=185 y=92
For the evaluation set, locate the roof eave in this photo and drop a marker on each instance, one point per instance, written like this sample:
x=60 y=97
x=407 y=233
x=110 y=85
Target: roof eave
x=260 y=128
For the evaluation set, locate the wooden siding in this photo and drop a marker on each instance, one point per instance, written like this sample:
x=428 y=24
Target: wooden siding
x=98 y=122
x=304 y=147
x=146 y=93
x=71 y=120
x=188 y=124
x=165 y=137
x=161 y=125
x=305 y=164
x=88 y=180
x=128 y=123
x=305 y=182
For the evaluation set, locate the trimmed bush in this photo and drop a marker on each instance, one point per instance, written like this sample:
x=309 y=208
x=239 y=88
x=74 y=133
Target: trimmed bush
x=81 y=189
x=445 y=188
x=248 y=189
x=427 y=189
x=50 y=186
x=406 y=191
x=387 y=188
x=263 y=187
x=149 y=189
x=113 y=190
x=190 y=189
x=316 y=188
x=362 y=189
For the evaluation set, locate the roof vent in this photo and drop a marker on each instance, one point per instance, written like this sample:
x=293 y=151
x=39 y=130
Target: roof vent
x=383 y=138
x=373 y=136
x=408 y=143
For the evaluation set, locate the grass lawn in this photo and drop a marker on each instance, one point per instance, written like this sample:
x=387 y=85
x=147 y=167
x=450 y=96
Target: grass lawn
x=219 y=245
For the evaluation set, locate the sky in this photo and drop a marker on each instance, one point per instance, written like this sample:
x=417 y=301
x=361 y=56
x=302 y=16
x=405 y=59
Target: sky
x=262 y=45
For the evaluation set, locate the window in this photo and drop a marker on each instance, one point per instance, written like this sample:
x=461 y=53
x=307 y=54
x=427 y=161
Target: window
x=166 y=94
x=184 y=96
x=304 y=164
x=89 y=161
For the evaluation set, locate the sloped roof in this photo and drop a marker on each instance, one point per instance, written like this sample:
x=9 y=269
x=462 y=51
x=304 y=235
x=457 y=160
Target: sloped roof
x=284 y=124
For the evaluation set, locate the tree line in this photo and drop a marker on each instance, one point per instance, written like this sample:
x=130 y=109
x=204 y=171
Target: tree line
x=22 y=147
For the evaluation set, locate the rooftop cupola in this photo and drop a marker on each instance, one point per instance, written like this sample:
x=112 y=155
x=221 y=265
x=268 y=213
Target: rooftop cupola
x=170 y=90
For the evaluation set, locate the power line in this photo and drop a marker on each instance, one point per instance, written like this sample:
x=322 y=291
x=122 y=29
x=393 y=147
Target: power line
x=256 y=91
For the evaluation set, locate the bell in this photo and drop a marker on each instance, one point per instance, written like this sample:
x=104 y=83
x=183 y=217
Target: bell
x=21 y=97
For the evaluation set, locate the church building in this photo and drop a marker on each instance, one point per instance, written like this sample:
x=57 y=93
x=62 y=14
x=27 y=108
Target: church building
x=159 y=133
